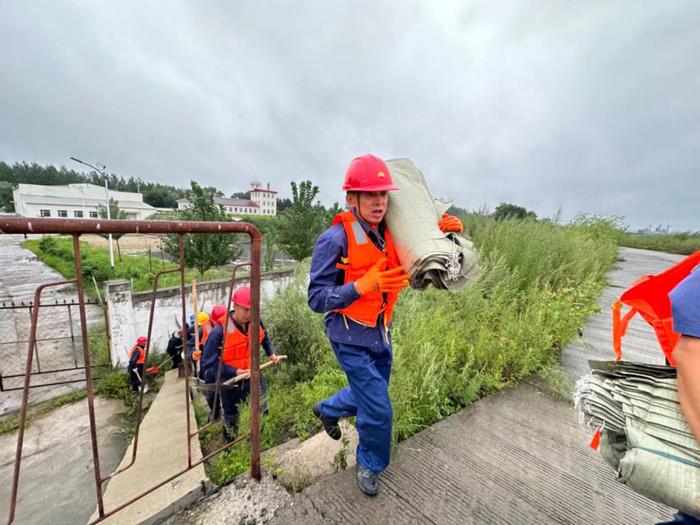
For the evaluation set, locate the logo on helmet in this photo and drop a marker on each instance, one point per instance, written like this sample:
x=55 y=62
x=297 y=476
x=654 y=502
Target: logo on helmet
x=381 y=175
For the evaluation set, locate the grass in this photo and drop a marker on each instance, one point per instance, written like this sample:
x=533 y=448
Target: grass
x=683 y=243
x=57 y=252
x=539 y=284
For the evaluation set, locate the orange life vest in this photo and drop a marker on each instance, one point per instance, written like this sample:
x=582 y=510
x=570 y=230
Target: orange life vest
x=141 y=357
x=648 y=296
x=362 y=255
x=206 y=330
x=237 y=346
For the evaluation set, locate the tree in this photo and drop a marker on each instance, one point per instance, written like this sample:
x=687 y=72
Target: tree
x=203 y=251
x=506 y=210
x=6 y=202
x=245 y=195
x=115 y=213
x=283 y=204
x=299 y=225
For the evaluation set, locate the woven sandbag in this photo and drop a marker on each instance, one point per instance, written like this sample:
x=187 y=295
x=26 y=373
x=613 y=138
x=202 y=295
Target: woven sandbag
x=645 y=436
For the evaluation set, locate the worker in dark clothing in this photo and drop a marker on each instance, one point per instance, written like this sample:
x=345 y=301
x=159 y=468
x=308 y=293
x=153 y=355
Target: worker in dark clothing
x=217 y=313
x=137 y=357
x=235 y=358
x=175 y=348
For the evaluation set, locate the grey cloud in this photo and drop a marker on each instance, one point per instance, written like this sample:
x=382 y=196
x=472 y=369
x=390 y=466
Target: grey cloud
x=581 y=106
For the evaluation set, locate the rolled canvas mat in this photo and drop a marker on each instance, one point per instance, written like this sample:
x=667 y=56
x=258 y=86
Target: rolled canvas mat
x=446 y=260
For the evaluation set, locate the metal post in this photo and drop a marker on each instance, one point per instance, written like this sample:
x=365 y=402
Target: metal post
x=25 y=395
x=109 y=217
x=254 y=329
x=36 y=347
x=88 y=372
x=72 y=337
x=184 y=345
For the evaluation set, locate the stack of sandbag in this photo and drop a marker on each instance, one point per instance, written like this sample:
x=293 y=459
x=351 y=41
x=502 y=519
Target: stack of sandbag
x=643 y=433
x=447 y=260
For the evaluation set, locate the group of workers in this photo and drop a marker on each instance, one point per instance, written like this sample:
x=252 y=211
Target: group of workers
x=222 y=338
x=355 y=280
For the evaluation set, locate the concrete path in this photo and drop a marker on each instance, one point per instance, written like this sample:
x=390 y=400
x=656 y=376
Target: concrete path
x=57 y=484
x=518 y=457
x=162 y=452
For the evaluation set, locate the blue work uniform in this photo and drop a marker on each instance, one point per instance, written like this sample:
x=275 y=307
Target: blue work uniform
x=230 y=397
x=363 y=352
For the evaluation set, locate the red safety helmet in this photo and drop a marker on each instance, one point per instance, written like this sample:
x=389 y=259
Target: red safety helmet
x=241 y=297
x=142 y=340
x=218 y=312
x=368 y=173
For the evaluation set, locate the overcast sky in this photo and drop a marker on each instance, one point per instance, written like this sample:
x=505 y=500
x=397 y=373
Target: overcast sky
x=587 y=106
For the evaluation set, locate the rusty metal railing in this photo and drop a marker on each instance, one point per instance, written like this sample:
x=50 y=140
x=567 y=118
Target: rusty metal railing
x=75 y=228
x=13 y=306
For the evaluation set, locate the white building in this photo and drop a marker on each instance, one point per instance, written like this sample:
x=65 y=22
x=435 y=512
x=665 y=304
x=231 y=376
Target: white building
x=75 y=201
x=262 y=202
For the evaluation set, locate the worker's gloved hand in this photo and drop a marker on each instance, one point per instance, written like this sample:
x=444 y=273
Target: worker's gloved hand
x=450 y=223
x=196 y=355
x=379 y=280
x=242 y=374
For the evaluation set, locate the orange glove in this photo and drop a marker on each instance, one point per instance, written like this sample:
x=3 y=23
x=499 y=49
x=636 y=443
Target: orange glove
x=196 y=355
x=450 y=223
x=378 y=280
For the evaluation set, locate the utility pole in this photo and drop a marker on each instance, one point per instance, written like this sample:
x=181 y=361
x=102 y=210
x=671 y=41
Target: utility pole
x=109 y=215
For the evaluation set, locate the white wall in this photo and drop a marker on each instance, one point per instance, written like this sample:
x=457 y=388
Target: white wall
x=129 y=312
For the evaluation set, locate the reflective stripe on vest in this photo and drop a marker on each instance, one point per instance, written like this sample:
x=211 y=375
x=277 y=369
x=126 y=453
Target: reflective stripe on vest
x=140 y=360
x=362 y=255
x=648 y=297
x=237 y=347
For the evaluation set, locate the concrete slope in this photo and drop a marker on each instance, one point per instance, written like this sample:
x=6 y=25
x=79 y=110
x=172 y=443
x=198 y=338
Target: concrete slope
x=162 y=452
x=56 y=483
x=518 y=457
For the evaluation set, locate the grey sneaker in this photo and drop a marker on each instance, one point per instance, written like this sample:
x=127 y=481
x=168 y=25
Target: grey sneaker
x=367 y=480
x=330 y=425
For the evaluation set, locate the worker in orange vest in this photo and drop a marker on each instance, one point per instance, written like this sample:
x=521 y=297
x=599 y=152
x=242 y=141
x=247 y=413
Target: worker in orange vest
x=137 y=356
x=355 y=279
x=234 y=354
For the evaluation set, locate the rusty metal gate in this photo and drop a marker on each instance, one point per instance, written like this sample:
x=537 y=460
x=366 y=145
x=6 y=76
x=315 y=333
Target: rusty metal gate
x=58 y=357
x=77 y=227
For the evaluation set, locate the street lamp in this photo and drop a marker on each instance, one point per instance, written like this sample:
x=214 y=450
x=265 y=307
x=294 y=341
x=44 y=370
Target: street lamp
x=102 y=171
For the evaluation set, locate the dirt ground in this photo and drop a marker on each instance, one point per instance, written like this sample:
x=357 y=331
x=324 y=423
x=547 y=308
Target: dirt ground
x=132 y=243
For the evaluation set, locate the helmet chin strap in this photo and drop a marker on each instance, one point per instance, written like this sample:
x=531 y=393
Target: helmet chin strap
x=357 y=208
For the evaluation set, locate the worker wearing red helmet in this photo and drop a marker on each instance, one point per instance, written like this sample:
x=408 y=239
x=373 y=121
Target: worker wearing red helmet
x=355 y=279
x=234 y=354
x=137 y=356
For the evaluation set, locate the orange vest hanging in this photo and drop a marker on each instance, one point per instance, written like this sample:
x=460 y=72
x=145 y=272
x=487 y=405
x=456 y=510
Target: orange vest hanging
x=362 y=255
x=237 y=347
x=648 y=296
x=142 y=355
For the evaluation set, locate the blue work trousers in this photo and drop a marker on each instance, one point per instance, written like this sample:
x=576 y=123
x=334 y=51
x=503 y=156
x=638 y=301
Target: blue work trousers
x=231 y=398
x=367 y=397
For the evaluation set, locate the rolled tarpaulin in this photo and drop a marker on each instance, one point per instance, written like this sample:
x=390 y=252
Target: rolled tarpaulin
x=447 y=260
